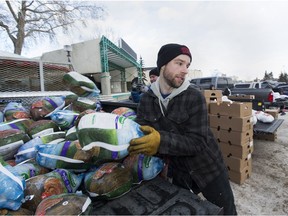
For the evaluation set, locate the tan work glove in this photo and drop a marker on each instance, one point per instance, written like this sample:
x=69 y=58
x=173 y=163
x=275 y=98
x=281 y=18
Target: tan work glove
x=148 y=144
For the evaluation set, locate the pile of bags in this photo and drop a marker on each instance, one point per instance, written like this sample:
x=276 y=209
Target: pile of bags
x=68 y=150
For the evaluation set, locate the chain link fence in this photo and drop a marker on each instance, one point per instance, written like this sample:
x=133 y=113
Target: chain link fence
x=19 y=75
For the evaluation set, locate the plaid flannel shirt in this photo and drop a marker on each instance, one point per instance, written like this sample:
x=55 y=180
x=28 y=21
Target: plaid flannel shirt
x=186 y=137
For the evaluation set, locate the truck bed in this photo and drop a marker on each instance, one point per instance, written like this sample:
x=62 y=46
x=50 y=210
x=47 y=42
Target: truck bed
x=156 y=197
x=261 y=127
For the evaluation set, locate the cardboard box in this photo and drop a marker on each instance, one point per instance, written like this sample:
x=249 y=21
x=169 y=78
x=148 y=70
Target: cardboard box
x=266 y=136
x=233 y=137
x=212 y=93
x=240 y=177
x=237 y=164
x=231 y=123
x=273 y=112
x=209 y=100
x=212 y=96
x=239 y=151
x=236 y=109
x=241 y=96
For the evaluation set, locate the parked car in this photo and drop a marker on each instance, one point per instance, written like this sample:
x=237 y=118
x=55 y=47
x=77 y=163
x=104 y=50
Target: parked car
x=282 y=89
x=217 y=82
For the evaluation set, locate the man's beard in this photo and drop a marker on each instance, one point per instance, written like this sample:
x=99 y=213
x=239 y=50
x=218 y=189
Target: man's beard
x=171 y=81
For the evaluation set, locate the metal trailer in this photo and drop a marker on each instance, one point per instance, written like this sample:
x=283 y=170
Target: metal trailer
x=153 y=197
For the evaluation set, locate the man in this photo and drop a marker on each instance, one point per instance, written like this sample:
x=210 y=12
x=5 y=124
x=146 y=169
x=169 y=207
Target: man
x=174 y=119
x=153 y=75
x=138 y=90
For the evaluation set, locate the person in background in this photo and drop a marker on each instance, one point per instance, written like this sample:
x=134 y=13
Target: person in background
x=153 y=75
x=173 y=116
x=139 y=89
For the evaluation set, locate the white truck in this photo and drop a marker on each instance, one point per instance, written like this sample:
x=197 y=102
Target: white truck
x=256 y=85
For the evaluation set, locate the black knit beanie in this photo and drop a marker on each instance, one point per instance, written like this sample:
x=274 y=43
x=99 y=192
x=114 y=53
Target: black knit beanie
x=171 y=51
x=154 y=71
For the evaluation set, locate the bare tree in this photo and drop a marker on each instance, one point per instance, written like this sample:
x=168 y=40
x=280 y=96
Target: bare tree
x=25 y=22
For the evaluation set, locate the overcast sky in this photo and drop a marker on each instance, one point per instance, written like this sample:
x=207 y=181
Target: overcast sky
x=237 y=38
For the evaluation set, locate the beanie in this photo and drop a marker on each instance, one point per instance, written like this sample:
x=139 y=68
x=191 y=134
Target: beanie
x=154 y=71
x=171 y=51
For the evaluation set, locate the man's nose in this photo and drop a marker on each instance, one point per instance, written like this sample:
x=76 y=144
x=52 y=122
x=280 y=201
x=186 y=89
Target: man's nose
x=184 y=69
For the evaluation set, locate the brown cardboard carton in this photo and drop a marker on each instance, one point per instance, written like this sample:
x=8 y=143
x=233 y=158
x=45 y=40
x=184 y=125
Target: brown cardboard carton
x=237 y=164
x=233 y=137
x=212 y=93
x=240 y=177
x=266 y=136
x=209 y=100
x=231 y=123
x=273 y=112
x=212 y=96
x=239 y=151
x=237 y=109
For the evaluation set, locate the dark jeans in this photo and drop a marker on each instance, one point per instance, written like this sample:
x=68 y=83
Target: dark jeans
x=218 y=191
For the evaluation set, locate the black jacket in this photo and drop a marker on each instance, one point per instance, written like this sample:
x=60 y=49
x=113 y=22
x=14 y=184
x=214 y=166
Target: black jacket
x=186 y=137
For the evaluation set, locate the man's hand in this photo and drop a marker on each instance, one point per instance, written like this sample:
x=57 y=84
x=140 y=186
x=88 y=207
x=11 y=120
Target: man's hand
x=148 y=144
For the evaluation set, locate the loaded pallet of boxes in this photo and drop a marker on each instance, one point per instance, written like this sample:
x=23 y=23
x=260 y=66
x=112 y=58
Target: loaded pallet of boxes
x=232 y=126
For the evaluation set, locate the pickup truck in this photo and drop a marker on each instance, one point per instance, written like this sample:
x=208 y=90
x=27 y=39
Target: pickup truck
x=216 y=82
x=263 y=98
x=251 y=85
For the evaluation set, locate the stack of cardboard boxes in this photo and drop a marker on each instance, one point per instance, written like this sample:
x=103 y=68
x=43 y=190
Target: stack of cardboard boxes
x=232 y=126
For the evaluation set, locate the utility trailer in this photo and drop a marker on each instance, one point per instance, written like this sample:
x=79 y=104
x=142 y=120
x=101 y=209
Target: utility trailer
x=153 y=197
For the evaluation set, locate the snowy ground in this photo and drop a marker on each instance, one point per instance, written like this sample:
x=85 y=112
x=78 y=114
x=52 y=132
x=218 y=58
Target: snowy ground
x=266 y=191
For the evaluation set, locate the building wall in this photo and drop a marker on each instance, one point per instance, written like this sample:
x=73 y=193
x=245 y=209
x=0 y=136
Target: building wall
x=85 y=56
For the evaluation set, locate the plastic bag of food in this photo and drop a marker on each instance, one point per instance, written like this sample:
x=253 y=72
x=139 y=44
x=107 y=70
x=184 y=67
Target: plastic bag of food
x=12 y=187
x=82 y=104
x=20 y=211
x=28 y=150
x=45 y=107
x=56 y=182
x=109 y=181
x=85 y=112
x=69 y=99
x=64 y=204
x=108 y=132
x=30 y=169
x=21 y=124
x=42 y=127
x=71 y=134
x=264 y=117
x=15 y=110
x=125 y=111
x=143 y=167
x=65 y=119
x=10 y=141
x=80 y=85
x=66 y=155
